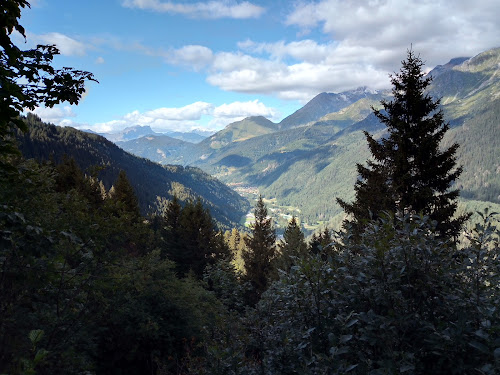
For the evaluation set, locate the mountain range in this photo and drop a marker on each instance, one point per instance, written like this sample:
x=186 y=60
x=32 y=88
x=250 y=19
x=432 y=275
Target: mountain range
x=309 y=158
x=138 y=131
x=151 y=181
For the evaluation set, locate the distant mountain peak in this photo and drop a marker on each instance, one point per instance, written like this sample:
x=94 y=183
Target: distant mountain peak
x=439 y=69
x=138 y=128
x=260 y=120
x=129 y=133
x=323 y=104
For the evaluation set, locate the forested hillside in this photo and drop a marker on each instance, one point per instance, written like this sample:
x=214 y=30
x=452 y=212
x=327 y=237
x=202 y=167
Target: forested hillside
x=151 y=181
x=317 y=159
x=160 y=148
x=91 y=284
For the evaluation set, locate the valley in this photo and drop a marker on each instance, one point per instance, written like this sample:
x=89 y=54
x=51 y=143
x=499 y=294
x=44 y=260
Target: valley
x=309 y=159
x=360 y=234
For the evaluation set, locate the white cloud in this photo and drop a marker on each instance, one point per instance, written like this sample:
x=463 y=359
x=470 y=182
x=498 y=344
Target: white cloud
x=188 y=117
x=209 y=9
x=191 y=112
x=66 y=45
x=55 y=115
x=328 y=67
x=303 y=50
x=193 y=55
x=438 y=30
x=100 y=60
x=245 y=109
x=368 y=40
x=228 y=113
x=109 y=126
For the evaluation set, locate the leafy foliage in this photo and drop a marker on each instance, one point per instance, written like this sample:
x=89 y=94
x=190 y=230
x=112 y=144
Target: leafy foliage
x=87 y=274
x=27 y=78
x=397 y=300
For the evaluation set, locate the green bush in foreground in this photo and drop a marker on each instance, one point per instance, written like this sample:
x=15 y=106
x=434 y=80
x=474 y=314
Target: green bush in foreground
x=400 y=300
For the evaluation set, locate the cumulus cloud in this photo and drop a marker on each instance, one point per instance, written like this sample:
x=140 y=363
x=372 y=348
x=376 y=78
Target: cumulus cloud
x=191 y=112
x=368 y=40
x=209 y=9
x=66 y=45
x=439 y=30
x=193 y=55
x=236 y=111
x=244 y=109
x=188 y=117
x=297 y=70
x=57 y=115
x=302 y=50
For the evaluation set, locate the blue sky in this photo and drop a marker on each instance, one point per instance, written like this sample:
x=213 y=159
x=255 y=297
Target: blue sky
x=179 y=65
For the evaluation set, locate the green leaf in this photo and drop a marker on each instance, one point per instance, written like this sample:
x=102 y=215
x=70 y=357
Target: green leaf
x=351 y=367
x=497 y=353
x=40 y=355
x=481 y=347
x=351 y=322
x=345 y=338
x=35 y=336
x=406 y=367
x=482 y=334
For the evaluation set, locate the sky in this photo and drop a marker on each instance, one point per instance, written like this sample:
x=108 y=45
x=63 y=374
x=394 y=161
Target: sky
x=183 y=65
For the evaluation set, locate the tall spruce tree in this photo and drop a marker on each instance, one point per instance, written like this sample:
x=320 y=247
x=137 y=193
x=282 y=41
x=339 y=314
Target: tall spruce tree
x=167 y=226
x=260 y=251
x=409 y=171
x=292 y=246
x=319 y=241
x=123 y=194
x=200 y=243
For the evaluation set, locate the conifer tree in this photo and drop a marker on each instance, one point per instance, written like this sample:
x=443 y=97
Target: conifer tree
x=173 y=215
x=70 y=176
x=166 y=224
x=320 y=241
x=292 y=246
x=233 y=240
x=409 y=172
x=123 y=195
x=260 y=251
x=199 y=242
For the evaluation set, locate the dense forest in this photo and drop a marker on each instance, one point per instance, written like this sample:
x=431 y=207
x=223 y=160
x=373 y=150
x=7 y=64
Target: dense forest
x=152 y=182
x=91 y=284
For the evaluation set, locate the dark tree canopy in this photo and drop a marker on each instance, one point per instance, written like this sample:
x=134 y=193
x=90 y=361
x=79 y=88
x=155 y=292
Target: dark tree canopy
x=123 y=194
x=260 y=250
x=409 y=171
x=189 y=237
x=292 y=247
x=319 y=241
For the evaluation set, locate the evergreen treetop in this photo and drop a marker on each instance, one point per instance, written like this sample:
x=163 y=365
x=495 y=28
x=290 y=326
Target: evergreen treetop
x=293 y=245
x=409 y=171
x=260 y=250
x=124 y=195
